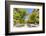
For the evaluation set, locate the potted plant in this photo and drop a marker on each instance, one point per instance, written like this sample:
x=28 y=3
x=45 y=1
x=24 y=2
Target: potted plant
x=19 y=16
x=33 y=20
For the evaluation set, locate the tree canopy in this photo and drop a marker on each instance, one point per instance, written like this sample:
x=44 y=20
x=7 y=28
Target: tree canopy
x=19 y=16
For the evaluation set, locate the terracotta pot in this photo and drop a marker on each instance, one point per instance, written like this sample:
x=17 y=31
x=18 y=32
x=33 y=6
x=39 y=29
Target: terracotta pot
x=32 y=25
x=19 y=25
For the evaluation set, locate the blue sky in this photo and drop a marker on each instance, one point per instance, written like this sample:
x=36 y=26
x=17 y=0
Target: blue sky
x=29 y=10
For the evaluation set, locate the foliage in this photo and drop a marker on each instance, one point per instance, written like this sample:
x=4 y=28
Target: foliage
x=19 y=15
x=34 y=17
